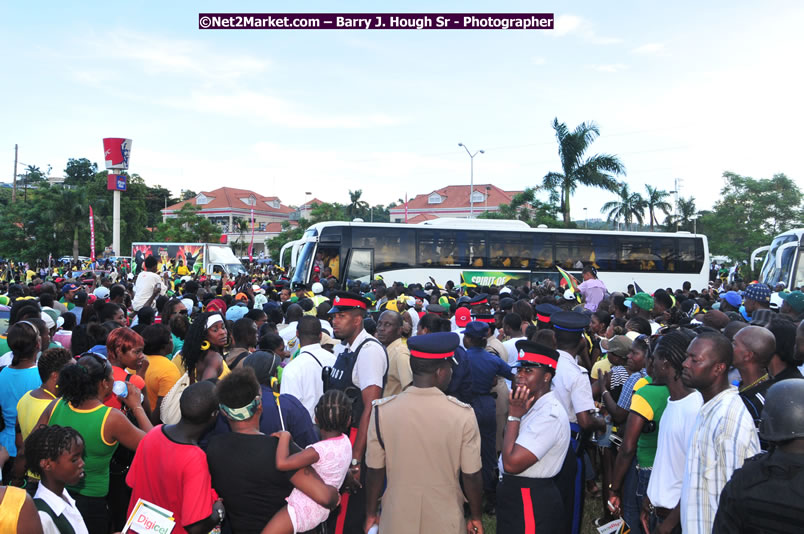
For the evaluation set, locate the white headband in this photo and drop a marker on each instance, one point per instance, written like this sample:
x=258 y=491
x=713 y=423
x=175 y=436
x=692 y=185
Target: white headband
x=212 y=319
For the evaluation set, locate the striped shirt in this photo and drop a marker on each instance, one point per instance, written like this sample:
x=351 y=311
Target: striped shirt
x=723 y=437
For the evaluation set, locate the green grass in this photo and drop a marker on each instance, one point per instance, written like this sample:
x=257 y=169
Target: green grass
x=593 y=508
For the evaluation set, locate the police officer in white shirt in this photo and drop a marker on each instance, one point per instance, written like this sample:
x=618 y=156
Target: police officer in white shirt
x=536 y=442
x=573 y=389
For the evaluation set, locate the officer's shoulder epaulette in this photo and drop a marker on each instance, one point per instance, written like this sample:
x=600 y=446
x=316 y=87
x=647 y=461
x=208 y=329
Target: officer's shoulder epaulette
x=459 y=403
x=757 y=457
x=384 y=400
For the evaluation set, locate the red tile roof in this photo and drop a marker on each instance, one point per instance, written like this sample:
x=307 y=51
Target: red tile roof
x=421 y=218
x=229 y=197
x=456 y=196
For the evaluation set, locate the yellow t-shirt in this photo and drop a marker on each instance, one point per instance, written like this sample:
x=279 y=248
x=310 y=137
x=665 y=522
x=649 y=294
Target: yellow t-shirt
x=29 y=410
x=160 y=376
x=603 y=365
x=178 y=361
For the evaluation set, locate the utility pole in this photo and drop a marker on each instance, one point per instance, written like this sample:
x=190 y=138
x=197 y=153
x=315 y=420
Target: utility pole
x=14 y=190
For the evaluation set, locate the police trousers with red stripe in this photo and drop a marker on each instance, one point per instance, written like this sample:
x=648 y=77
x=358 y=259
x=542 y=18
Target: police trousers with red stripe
x=529 y=506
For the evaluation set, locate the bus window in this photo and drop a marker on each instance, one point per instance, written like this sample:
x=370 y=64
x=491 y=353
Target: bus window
x=635 y=254
x=438 y=248
x=690 y=255
x=393 y=248
x=541 y=248
x=575 y=251
x=604 y=255
x=360 y=262
x=506 y=251
x=472 y=249
x=664 y=248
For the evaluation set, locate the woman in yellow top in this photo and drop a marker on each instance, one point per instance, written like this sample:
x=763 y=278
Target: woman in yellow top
x=33 y=403
x=18 y=513
x=201 y=355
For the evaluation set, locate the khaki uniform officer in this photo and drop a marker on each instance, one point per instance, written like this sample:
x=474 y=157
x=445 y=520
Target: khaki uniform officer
x=420 y=440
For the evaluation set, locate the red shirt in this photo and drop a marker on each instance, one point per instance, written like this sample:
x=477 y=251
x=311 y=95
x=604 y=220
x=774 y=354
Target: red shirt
x=172 y=475
x=118 y=373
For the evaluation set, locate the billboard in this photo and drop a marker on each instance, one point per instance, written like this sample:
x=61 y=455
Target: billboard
x=168 y=253
x=116 y=151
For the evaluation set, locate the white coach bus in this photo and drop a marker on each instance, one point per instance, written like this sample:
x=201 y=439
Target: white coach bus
x=782 y=261
x=486 y=251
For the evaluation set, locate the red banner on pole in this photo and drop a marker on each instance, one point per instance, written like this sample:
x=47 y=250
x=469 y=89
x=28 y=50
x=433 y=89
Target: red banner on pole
x=251 y=245
x=91 y=236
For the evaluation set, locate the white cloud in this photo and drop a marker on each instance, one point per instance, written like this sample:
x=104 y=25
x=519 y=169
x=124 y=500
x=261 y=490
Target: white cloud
x=275 y=110
x=161 y=56
x=649 y=49
x=573 y=24
x=538 y=61
x=615 y=67
x=565 y=24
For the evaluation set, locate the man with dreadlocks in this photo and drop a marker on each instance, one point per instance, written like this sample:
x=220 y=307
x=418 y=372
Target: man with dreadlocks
x=660 y=510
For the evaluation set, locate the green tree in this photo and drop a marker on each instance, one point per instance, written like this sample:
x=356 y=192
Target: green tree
x=628 y=207
x=750 y=213
x=356 y=207
x=594 y=171
x=188 y=225
x=79 y=171
x=655 y=200
x=682 y=219
x=187 y=194
x=525 y=207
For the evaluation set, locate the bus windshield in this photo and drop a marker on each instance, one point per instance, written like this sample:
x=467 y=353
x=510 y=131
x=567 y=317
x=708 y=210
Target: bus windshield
x=770 y=274
x=303 y=263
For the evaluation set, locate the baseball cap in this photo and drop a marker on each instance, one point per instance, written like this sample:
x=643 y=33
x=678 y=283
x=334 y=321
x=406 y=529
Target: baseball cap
x=618 y=345
x=758 y=292
x=794 y=299
x=463 y=317
x=641 y=300
x=733 y=298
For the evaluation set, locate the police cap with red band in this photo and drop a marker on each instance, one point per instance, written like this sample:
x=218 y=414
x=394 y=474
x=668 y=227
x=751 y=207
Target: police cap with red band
x=487 y=318
x=436 y=346
x=346 y=300
x=479 y=300
x=532 y=354
x=544 y=311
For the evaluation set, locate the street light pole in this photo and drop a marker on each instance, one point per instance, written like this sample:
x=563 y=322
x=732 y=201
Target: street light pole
x=586 y=218
x=471 y=177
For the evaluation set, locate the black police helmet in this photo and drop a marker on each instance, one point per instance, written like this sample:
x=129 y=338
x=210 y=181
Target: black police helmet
x=783 y=415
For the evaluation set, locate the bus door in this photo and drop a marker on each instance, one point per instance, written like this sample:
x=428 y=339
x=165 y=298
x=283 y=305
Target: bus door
x=359 y=266
x=798 y=279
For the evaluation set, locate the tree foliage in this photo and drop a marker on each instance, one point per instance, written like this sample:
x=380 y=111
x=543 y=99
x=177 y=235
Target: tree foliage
x=79 y=171
x=655 y=201
x=629 y=206
x=525 y=207
x=188 y=225
x=750 y=213
x=594 y=171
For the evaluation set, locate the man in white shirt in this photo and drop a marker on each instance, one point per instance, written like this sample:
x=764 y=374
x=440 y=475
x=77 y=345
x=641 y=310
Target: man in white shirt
x=288 y=331
x=512 y=327
x=664 y=488
x=148 y=285
x=302 y=376
x=724 y=434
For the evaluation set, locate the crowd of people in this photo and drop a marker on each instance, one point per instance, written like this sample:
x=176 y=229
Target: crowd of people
x=252 y=405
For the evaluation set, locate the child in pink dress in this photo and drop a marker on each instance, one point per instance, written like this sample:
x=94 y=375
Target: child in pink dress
x=330 y=458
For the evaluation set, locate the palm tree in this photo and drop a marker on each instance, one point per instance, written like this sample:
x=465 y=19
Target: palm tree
x=629 y=206
x=655 y=201
x=594 y=171
x=685 y=211
x=356 y=207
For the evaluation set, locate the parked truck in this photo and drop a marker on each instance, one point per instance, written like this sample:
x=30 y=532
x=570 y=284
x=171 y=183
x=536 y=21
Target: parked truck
x=212 y=258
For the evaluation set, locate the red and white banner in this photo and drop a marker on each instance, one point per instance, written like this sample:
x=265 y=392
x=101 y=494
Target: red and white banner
x=91 y=236
x=251 y=245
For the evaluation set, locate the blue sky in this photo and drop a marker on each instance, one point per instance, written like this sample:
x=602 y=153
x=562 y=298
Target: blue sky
x=679 y=90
